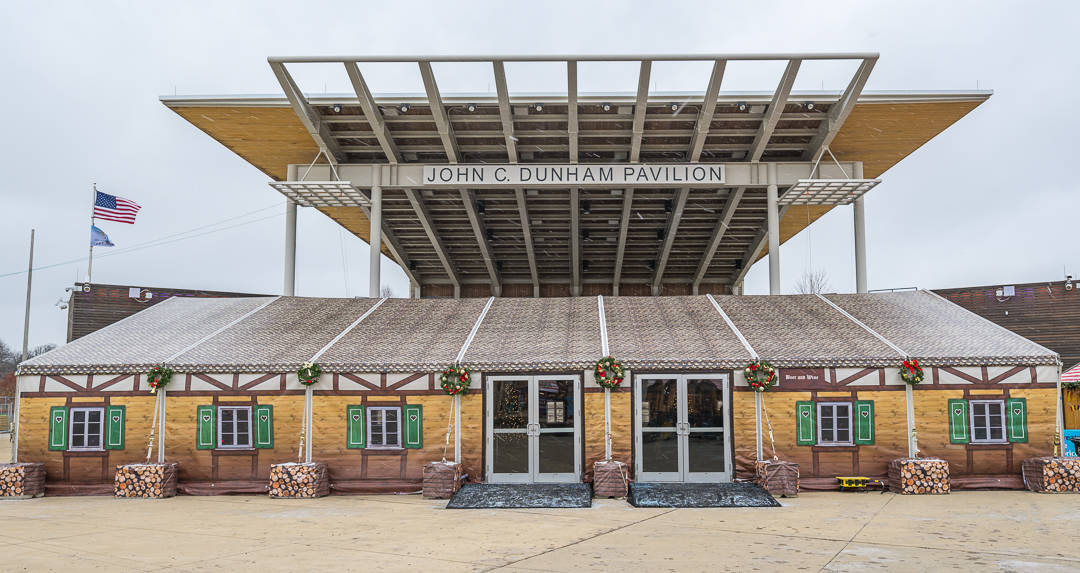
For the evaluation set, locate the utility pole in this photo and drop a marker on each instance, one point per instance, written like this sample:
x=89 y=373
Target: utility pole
x=26 y=318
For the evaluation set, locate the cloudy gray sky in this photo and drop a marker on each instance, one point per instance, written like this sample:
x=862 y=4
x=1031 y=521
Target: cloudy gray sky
x=993 y=200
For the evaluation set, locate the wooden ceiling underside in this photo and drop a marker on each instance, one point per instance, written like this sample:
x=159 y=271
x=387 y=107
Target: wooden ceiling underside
x=878 y=134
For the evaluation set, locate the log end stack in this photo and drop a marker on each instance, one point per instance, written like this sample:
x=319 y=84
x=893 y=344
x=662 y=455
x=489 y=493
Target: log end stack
x=778 y=477
x=155 y=481
x=22 y=480
x=441 y=479
x=919 y=476
x=610 y=479
x=294 y=480
x=1052 y=475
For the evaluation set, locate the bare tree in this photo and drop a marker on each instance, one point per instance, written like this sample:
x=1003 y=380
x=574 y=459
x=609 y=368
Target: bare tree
x=386 y=291
x=813 y=282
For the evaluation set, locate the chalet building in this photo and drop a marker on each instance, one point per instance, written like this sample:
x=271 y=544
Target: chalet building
x=540 y=234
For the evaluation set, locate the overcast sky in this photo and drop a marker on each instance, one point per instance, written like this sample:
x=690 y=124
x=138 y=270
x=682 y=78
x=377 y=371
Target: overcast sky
x=993 y=200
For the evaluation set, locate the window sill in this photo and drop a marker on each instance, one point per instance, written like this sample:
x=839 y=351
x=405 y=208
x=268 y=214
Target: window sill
x=834 y=447
x=85 y=450
x=384 y=449
x=988 y=445
x=234 y=449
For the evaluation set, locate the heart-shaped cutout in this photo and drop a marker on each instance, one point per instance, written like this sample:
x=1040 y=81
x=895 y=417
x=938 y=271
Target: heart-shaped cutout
x=806 y=414
x=412 y=417
x=356 y=417
x=866 y=414
x=957 y=411
x=263 y=418
x=206 y=418
x=1016 y=411
x=116 y=418
x=59 y=419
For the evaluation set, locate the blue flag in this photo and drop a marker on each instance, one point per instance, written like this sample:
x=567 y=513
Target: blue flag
x=98 y=238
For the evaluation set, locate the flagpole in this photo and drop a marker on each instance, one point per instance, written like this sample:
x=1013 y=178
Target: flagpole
x=90 y=263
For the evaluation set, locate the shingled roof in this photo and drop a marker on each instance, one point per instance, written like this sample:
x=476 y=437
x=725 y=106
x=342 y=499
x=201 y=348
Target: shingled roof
x=519 y=335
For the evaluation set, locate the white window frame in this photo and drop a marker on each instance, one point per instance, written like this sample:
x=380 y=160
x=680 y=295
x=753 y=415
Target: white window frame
x=1004 y=422
x=71 y=430
x=851 y=420
x=251 y=428
x=400 y=428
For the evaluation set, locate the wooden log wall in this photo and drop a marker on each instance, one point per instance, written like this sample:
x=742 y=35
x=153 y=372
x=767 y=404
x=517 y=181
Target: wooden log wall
x=1045 y=313
x=622 y=429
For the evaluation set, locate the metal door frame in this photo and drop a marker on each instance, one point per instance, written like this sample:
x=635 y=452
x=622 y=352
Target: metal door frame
x=682 y=430
x=532 y=430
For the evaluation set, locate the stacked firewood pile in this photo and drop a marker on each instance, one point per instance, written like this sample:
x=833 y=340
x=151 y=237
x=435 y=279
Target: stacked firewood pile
x=778 y=477
x=441 y=479
x=1052 y=475
x=294 y=480
x=145 y=480
x=919 y=476
x=610 y=479
x=22 y=480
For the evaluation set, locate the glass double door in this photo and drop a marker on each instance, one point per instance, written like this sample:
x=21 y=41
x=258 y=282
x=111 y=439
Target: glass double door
x=533 y=429
x=681 y=425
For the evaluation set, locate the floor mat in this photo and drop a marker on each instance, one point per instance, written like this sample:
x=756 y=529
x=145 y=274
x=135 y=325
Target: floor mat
x=699 y=495
x=520 y=495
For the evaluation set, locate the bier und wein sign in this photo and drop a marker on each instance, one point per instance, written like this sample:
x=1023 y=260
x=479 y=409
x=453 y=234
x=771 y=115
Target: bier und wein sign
x=575 y=175
x=793 y=377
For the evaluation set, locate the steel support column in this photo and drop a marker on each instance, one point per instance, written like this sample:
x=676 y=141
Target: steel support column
x=774 y=230
x=289 y=288
x=860 y=236
x=375 y=235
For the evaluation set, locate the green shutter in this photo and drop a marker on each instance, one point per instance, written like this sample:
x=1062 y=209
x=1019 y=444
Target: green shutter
x=355 y=415
x=1017 y=417
x=864 y=422
x=414 y=426
x=58 y=434
x=958 y=421
x=115 y=424
x=805 y=424
x=206 y=438
x=264 y=425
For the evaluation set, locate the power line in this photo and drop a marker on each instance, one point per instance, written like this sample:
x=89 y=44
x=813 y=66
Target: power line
x=167 y=239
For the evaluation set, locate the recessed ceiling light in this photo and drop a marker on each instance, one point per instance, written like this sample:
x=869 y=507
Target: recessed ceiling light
x=809 y=106
x=539 y=107
x=741 y=106
x=673 y=107
x=605 y=106
x=336 y=108
x=470 y=107
x=404 y=108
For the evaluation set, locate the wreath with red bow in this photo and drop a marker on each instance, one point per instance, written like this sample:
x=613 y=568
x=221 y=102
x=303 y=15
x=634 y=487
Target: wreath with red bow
x=911 y=372
x=158 y=377
x=608 y=372
x=760 y=375
x=455 y=379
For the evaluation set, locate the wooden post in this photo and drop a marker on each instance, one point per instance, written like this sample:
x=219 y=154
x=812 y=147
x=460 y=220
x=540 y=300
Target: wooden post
x=913 y=444
x=757 y=425
x=161 y=429
x=308 y=406
x=457 y=428
x=607 y=423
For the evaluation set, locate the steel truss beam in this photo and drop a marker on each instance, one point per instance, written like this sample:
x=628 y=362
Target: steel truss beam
x=307 y=116
x=372 y=113
x=776 y=109
x=840 y=111
x=718 y=234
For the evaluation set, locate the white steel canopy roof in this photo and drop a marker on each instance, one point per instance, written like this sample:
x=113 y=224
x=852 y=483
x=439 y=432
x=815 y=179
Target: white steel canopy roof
x=670 y=237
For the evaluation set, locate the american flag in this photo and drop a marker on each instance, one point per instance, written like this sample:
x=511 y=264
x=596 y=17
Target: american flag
x=113 y=208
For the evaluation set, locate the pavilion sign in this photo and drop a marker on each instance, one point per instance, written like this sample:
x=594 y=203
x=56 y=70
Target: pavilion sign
x=575 y=175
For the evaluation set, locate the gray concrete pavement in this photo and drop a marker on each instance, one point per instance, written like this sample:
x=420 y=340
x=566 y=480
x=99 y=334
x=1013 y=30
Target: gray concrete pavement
x=985 y=531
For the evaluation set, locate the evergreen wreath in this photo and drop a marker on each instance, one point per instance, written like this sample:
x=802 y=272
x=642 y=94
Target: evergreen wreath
x=158 y=377
x=455 y=379
x=309 y=373
x=608 y=372
x=760 y=375
x=911 y=372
